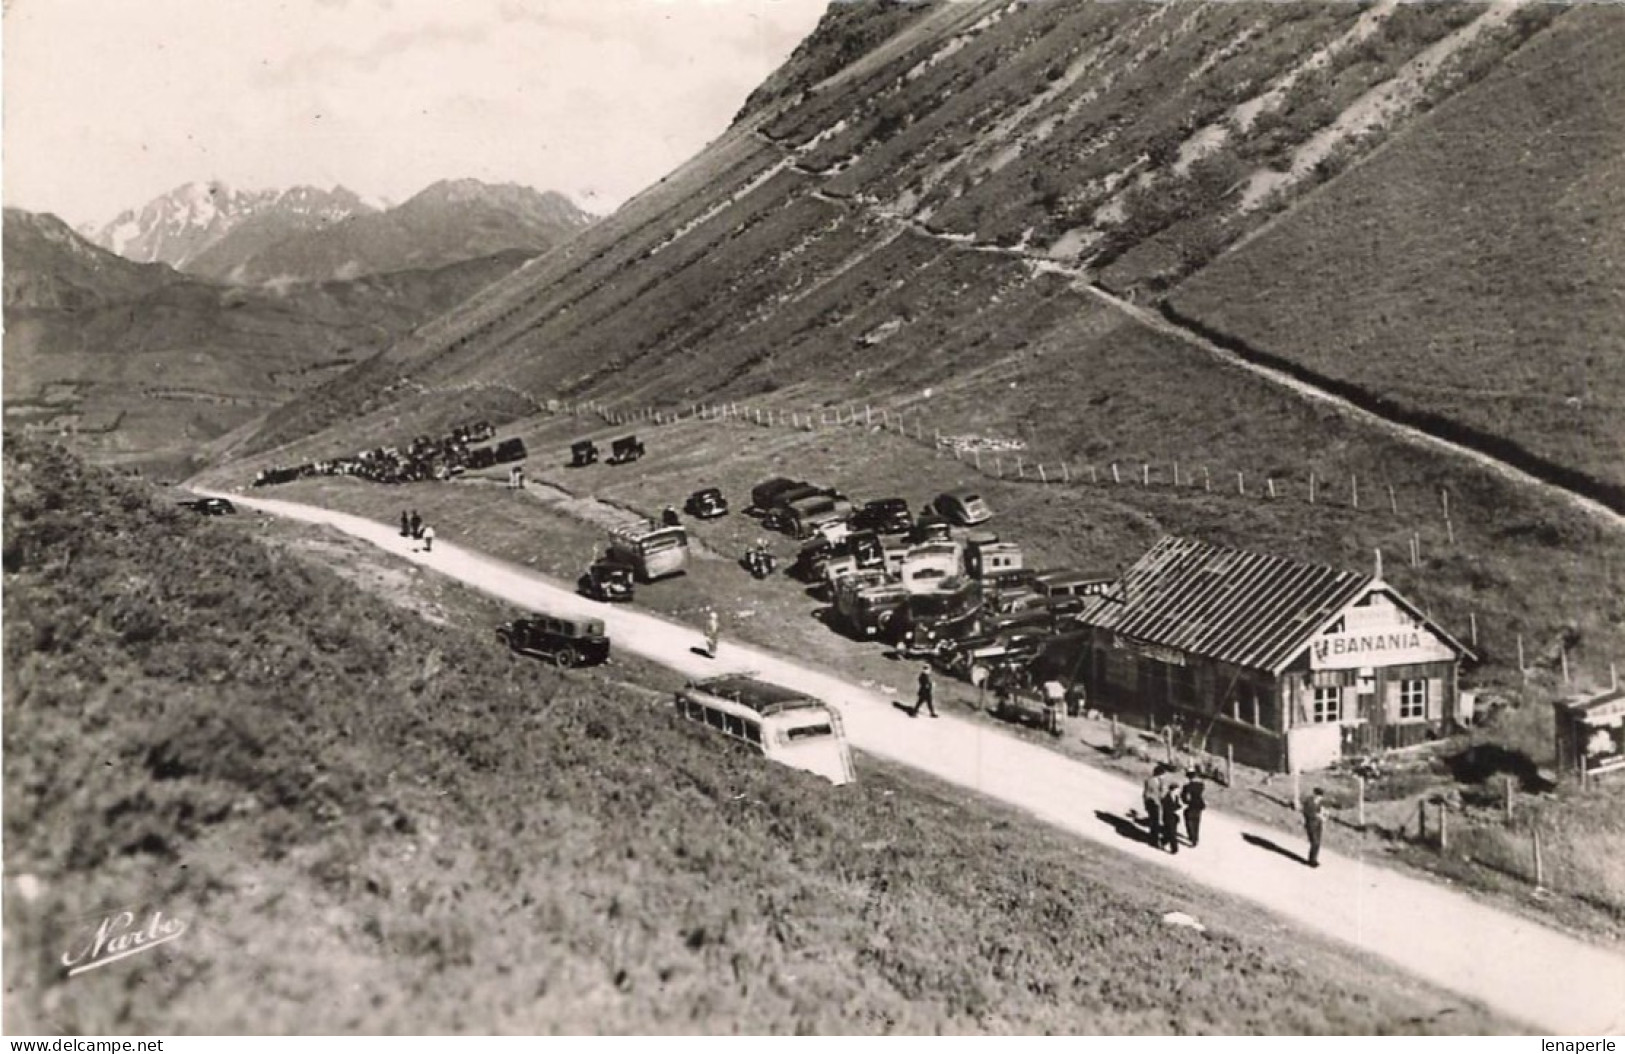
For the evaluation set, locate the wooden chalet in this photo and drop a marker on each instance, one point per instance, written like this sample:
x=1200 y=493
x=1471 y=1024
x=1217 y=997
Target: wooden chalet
x=1291 y=665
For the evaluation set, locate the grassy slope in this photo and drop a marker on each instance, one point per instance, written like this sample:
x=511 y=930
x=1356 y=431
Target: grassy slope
x=378 y=824
x=1472 y=270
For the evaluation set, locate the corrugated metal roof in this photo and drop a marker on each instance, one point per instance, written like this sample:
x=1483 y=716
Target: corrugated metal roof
x=1225 y=604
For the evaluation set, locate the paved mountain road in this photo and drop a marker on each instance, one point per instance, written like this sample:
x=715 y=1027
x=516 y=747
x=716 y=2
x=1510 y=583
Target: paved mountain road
x=1554 y=983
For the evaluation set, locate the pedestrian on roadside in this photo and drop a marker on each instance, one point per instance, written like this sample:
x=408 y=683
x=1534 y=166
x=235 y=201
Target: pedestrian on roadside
x=1194 y=795
x=406 y=525
x=417 y=524
x=925 y=694
x=428 y=538
x=713 y=632
x=1153 y=802
x=1314 y=823
x=1173 y=809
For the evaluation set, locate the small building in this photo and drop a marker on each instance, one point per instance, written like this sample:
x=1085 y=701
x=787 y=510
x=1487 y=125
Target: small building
x=1291 y=665
x=1590 y=734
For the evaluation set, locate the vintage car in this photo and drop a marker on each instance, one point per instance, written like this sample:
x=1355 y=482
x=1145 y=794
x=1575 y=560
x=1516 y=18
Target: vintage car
x=930 y=527
x=706 y=504
x=566 y=642
x=765 y=493
x=582 y=453
x=625 y=449
x=210 y=506
x=885 y=516
x=509 y=450
x=963 y=507
x=606 y=580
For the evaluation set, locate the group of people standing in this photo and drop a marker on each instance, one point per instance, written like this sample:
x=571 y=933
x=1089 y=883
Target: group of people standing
x=1168 y=801
x=412 y=526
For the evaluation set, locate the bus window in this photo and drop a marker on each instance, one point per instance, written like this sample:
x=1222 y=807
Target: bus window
x=732 y=725
x=714 y=718
x=753 y=732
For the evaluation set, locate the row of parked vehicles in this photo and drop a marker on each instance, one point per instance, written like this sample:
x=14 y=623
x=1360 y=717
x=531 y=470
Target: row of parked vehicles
x=938 y=586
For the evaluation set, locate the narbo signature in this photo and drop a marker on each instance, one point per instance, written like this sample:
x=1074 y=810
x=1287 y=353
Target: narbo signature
x=118 y=937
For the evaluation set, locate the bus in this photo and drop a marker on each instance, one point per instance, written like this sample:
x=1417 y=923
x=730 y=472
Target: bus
x=651 y=552
x=783 y=725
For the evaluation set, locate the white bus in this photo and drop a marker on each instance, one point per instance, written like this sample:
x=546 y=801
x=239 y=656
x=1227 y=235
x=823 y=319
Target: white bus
x=651 y=552
x=788 y=727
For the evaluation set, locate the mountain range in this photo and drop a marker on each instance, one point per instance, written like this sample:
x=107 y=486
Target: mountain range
x=304 y=234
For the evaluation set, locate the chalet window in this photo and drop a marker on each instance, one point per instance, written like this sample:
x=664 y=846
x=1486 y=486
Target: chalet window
x=1327 y=706
x=1413 y=700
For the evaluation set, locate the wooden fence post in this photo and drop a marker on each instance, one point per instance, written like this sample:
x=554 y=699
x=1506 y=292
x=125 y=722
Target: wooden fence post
x=1444 y=497
x=1449 y=531
x=1066 y=473
x=1207 y=479
x=1359 y=808
x=976 y=452
x=1422 y=821
x=1019 y=473
x=1393 y=503
x=1145 y=475
x=1041 y=477
x=1311 y=488
x=1229 y=764
x=1241 y=483
x=1472 y=627
x=1563 y=655
x=998 y=466
x=868 y=415
x=1269 y=484
x=1540 y=865
x=1521 y=667
x=1115 y=477
x=1176 y=473
x=1444 y=828
x=1093 y=476
x=1354 y=489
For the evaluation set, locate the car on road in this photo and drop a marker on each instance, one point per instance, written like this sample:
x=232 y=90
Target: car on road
x=606 y=580
x=706 y=504
x=566 y=642
x=883 y=516
x=210 y=506
x=963 y=507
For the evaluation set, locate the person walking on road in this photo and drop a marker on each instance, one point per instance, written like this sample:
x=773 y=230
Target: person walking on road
x=416 y=523
x=1173 y=807
x=1153 y=802
x=1314 y=821
x=1194 y=796
x=428 y=539
x=713 y=631
x=406 y=525
x=925 y=696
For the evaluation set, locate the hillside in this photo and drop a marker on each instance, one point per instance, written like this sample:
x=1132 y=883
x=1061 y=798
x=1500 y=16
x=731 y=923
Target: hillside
x=143 y=363
x=928 y=229
x=1489 y=255
x=372 y=819
x=50 y=267
x=448 y=223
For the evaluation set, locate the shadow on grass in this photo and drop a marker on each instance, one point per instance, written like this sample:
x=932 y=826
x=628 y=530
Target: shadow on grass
x=1264 y=843
x=1127 y=828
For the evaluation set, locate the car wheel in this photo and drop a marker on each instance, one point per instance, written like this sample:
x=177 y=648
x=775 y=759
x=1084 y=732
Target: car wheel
x=564 y=658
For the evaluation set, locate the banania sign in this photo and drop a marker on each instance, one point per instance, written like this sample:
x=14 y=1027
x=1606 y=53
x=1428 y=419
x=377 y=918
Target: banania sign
x=1391 y=646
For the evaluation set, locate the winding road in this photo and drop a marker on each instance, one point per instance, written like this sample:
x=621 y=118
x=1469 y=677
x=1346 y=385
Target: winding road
x=1554 y=983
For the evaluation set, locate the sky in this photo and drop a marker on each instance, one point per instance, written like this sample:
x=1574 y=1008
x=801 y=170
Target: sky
x=111 y=103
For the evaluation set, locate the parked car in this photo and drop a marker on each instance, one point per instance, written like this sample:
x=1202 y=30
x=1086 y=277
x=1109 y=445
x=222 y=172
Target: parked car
x=706 y=504
x=510 y=450
x=210 y=506
x=963 y=507
x=583 y=452
x=564 y=641
x=884 y=516
x=930 y=527
x=606 y=580
x=625 y=449
x=765 y=493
